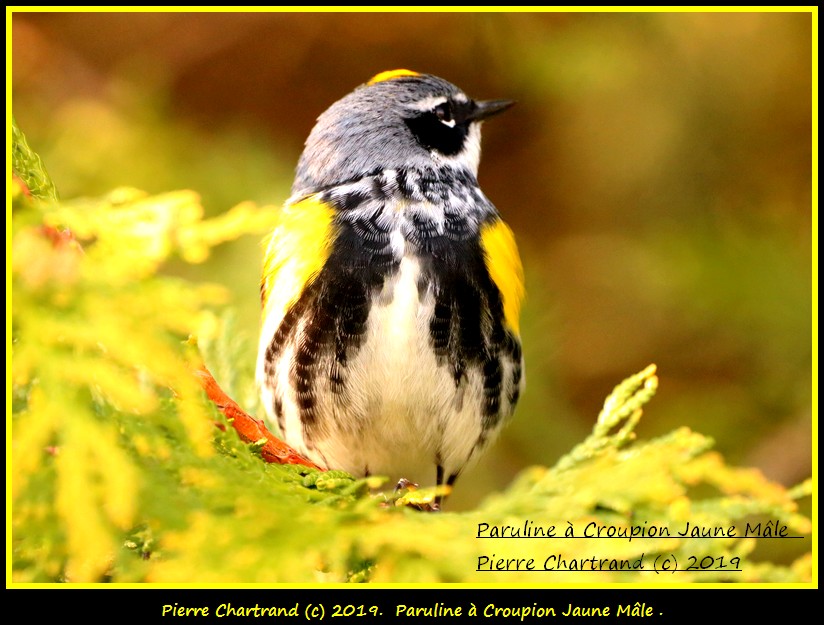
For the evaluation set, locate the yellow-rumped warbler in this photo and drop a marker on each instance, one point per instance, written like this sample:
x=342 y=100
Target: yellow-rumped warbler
x=392 y=288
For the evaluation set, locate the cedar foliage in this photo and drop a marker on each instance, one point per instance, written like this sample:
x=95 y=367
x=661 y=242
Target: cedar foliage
x=120 y=475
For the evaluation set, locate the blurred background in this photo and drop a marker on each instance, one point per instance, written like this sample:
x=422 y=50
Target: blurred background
x=656 y=171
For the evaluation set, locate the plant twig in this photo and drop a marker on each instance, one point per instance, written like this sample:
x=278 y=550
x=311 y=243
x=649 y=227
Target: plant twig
x=251 y=430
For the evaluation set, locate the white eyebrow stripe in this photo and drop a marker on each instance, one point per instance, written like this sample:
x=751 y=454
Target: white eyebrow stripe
x=427 y=104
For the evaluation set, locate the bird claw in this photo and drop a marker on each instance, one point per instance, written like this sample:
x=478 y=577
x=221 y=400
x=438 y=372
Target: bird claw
x=404 y=484
x=405 y=488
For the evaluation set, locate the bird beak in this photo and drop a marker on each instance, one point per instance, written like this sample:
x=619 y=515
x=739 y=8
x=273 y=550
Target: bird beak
x=488 y=108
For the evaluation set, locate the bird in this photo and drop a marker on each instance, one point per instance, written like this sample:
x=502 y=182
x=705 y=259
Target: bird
x=391 y=289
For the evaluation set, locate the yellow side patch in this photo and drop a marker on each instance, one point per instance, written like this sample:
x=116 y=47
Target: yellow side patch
x=504 y=265
x=389 y=75
x=296 y=252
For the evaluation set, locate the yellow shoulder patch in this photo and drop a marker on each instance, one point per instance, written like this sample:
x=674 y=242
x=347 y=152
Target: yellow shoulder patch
x=295 y=253
x=504 y=265
x=389 y=75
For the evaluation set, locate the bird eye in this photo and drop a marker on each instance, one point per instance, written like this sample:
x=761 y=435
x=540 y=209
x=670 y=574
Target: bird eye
x=444 y=113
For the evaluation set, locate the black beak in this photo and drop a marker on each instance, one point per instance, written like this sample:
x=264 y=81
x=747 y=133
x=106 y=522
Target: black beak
x=488 y=108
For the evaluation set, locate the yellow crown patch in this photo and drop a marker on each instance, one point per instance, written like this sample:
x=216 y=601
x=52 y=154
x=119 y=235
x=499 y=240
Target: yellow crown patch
x=391 y=74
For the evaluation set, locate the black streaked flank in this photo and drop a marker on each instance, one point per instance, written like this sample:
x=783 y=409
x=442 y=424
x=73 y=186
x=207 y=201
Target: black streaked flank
x=492 y=390
x=302 y=374
x=440 y=327
x=335 y=311
x=513 y=348
x=466 y=329
x=285 y=330
x=279 y=417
